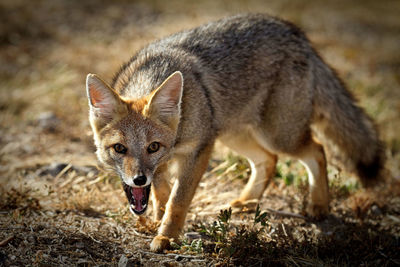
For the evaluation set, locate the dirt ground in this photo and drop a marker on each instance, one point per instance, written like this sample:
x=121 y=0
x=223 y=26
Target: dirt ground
x=57 y=209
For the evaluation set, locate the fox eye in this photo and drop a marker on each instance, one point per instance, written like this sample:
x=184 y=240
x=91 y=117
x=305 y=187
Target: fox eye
x=120 y=148
x=153 y=147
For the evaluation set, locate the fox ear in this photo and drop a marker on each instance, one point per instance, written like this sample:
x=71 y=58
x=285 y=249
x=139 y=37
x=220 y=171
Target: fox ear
x=165 y=104
x=103 y=101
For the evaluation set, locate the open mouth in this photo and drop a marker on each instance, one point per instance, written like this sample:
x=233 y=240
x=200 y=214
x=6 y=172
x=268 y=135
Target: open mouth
x=138 y=198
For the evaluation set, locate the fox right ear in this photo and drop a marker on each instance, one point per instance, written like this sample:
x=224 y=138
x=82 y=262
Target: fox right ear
x=103 y=101
x=165 y=103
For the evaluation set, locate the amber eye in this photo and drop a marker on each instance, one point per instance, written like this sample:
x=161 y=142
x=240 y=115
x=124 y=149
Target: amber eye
x=153 y=147
x=120 y=148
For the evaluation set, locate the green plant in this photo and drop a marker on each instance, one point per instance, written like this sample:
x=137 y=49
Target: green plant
x=219 y=229
x=342 y=189
x=235 y=241
x=260 y=217
x=235 y=167
x=290 y=173
x=187 y=247
x=288 y=179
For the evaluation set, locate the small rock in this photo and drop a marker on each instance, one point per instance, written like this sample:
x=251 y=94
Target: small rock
x=80 y=245
x=125 y=262
x=375 y=210
x=178 y=258
x=52 y=169
x=86 y=170
x=48 y=121
x=55 y=168
x=190 y=236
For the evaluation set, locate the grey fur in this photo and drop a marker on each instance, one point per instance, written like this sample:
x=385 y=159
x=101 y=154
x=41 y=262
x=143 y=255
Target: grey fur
x=247 y=63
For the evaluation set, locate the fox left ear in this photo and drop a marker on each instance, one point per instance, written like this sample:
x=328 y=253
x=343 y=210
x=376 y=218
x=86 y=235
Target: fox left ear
x=165 y=103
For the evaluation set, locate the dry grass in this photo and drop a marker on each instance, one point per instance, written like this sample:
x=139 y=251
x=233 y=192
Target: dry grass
x=80 y=217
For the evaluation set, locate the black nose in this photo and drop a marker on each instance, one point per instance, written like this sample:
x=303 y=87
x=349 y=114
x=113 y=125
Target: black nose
x=140 y=180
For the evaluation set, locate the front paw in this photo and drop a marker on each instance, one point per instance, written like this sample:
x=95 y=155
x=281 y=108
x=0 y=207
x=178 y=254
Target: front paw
x=159 y=243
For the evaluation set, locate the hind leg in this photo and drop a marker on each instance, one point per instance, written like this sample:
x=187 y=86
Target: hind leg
x=262 y=164
x=312 y=156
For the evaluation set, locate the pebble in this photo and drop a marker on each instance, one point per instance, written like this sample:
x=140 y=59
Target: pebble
x=178 y=258
x=52 y=169
x=48 y=121
x=125 y=262
x=375 y=210
x=80 y=245
x=56 y=167
x=190 y=236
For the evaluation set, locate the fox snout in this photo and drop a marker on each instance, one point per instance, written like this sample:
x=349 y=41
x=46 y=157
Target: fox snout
x=137 y=190
x=140 y=180
x=134 y=172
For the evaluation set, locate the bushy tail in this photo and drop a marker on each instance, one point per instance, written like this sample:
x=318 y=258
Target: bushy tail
x=344 y=128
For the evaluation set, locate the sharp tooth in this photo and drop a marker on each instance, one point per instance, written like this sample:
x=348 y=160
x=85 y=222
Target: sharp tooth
x=131 y=208
x=145 y=205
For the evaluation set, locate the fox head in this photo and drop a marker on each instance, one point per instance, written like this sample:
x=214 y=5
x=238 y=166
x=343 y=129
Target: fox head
x=135 y=136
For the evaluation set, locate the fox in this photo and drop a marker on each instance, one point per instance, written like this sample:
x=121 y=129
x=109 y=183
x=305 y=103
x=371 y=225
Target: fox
x=253 y=82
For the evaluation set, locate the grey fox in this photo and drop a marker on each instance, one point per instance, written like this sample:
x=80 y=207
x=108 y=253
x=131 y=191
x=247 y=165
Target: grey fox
x=252 y=81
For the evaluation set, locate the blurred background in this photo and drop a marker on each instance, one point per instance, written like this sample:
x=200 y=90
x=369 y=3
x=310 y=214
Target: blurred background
x=47 y=47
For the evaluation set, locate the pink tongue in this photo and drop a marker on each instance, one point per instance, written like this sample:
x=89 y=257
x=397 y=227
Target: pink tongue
x=138 y=193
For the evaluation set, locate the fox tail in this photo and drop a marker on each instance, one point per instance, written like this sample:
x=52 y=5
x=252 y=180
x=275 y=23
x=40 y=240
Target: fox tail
x=344 y=128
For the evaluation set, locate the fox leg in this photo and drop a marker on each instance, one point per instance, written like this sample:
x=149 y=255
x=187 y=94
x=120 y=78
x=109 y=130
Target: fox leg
x=312 y=157
x=262 y=163
x=160 y=192
x=190 y=171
